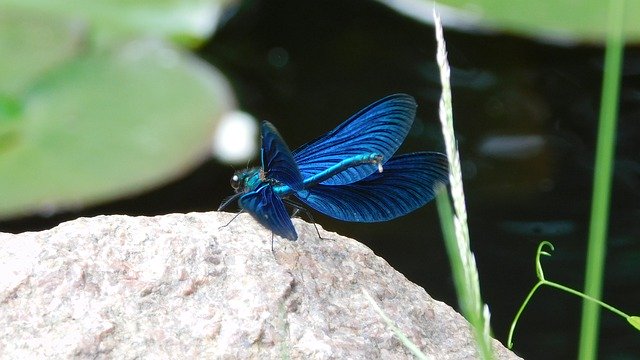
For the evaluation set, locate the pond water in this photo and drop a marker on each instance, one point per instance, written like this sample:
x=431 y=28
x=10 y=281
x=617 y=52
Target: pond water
x=526 y=119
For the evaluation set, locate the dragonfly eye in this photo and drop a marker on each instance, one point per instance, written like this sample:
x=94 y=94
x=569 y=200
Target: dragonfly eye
x=235 y=182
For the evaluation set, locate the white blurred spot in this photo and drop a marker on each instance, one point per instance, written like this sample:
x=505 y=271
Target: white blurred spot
x=236 y=138
x=512 y=146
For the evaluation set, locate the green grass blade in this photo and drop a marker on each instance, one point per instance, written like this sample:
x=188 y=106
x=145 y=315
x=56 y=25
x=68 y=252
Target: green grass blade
x=602 y=181
x=399 y=334
x=462 y=260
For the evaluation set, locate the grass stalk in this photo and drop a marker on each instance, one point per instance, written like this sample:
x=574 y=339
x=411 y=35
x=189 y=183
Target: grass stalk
x=454 y=221
x=398 y=333
x=605 y=149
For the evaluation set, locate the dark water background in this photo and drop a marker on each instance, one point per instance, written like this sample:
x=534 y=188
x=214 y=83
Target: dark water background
x=526 y=119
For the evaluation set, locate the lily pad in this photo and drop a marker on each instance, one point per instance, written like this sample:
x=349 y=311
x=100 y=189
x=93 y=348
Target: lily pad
x=109 y=123
x=557 y=20
x=31 y=45
x=189 y=21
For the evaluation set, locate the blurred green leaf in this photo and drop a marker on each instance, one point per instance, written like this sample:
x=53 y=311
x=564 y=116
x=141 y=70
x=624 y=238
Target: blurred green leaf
x=109 y=123
x=89 y=111
x=31 y=44
x=187 y=21
x=555 y=20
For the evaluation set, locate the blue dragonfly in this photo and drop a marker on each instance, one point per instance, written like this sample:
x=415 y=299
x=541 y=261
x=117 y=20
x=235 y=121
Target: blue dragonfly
x=349 y=173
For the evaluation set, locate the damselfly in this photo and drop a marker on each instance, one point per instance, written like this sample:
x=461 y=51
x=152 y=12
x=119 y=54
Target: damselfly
x=349 y=173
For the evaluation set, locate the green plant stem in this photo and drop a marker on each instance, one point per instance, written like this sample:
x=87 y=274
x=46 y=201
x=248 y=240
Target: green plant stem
x=563 y=288
x=512 y=329
x=633 y=320
x=602 y=182
x=399 y=334
x=586 y=297
x=450 y=241
x=455 y=228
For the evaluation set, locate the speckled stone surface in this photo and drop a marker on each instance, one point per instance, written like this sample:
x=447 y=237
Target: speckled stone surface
x=179 y=286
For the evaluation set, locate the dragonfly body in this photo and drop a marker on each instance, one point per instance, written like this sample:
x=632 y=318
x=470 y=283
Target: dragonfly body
x=357 y=160
x=349 y=173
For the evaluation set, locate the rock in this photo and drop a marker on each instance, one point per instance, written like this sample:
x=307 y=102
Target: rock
x=180 y=286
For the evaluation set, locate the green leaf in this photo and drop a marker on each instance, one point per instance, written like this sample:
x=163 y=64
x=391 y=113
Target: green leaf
x=32 y=44
x=556 y=20
x=188 y=21
x=635 y=321
x=108 y=124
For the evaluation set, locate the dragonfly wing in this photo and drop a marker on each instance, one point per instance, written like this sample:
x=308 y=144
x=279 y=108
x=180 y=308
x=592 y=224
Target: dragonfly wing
x=379 y=128
x=267 y=207
x=277 y=160
x=407 y=183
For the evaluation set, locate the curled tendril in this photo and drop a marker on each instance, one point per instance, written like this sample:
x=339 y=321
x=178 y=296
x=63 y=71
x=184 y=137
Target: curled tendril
x=633 y=320
x=540 y=252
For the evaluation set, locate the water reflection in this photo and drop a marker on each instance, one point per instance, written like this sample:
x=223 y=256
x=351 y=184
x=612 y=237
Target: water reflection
x=513 y=147
x=540 y=229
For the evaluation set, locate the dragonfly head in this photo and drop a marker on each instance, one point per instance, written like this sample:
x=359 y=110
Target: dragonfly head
x=242 y=182
x=235 y=182
x=245 y=180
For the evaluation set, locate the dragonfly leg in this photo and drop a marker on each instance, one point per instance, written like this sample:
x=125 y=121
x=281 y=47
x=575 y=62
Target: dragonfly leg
x=272 y=244
x=299 y=208
x=230 y=221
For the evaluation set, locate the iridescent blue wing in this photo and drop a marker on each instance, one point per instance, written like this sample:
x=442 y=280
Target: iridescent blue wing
x=269 y=210
x=277 y=160
x=379 y=128
x=407 y=183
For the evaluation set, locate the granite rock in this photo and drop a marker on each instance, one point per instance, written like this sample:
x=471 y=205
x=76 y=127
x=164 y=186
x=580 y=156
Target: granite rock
x=182 y=286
